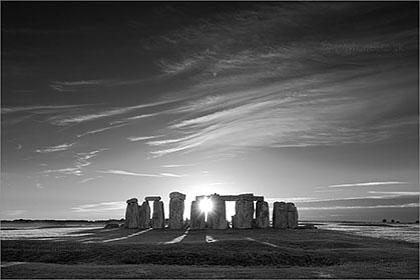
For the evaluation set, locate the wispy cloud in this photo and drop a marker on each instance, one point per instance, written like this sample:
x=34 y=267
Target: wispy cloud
x=66 y=86
x=83 y=159
x=141 y=138
x=371 y=201
x=66 y=120
x=58 y=148
x=100 y=130
x=368 y=184
x=175 y=165
x=406 y=205
x=395 y=193
x=138 y=117
x=129 y=173
x=100 y=207
x=173 y=175
x=38 y=109
x=87 y=180
x=383 y=199
x=278 y=115
x=74 y=86
x=297 y=91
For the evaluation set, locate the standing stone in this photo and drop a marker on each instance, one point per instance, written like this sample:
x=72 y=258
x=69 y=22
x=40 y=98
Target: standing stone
x=144 y=210
x=158 y=217
x=197 y=216
x=246 y=196
x=176 y=210
x=152 y=198
x=244 y=213
x=262 y=215
x=280 y=215
x=292 y=216
x=216 y=218
x=132 y=214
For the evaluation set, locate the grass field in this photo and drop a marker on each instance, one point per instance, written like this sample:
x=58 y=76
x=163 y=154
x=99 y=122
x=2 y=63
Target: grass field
x=268 y=253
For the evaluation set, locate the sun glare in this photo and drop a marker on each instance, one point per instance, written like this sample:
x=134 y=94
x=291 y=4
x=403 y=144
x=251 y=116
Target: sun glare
x=206 y=205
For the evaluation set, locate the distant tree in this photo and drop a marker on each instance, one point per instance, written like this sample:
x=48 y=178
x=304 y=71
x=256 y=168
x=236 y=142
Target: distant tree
x=392 y=221
x=384 y=221
x=398 y=222
x=417 y=221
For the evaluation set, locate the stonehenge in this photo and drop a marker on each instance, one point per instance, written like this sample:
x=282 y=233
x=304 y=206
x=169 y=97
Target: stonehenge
x=139 y=216
x=280 y=215
x=250 y=212
x=285 y=215
x=262 y=215
x=216 y=219
x=152 y=198
x=244 y=210
x=292 y=215
x=197 y=216
x=176 y=210
x=158 y=217
x=144 y=215
x=132 y=217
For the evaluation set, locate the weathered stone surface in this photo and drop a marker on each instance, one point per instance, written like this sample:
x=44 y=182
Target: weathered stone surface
x=216 y=219
x=158 y=217
x=292 y=216
x=177 y=195
x=132 y=218
x=249 y=197
x=246 y=196
x=200 y=197
x=280 y=215
x=197 y=216
x=244 y=210
x=176 y=210
x=152 y=198
x=262 y=215
x=132 y=200
x=144 y=213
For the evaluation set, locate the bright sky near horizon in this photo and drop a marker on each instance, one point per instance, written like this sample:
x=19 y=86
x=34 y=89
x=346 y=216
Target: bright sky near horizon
x=311 y=102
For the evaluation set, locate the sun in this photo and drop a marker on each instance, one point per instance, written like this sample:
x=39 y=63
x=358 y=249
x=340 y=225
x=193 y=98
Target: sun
x=206 y=205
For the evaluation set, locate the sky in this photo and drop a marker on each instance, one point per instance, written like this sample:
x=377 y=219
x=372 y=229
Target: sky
x=314 y=103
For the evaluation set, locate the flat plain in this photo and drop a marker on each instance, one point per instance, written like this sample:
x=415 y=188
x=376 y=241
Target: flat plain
x=257 y=253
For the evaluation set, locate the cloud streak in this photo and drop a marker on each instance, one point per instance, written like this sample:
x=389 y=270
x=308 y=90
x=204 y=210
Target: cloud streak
x=67 y=120
x=38 y=109
x=83 y=159
x=99 y=130
x=134 y=118
x=368 y=184
x=173 y=175
x=74 y=85
x=58 y=148
x=128 y=173
x=407 y=205
x=396 y=193
x=141 y=138
x=311 y=90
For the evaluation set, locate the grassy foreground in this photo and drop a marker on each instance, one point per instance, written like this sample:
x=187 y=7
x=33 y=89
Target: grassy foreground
x=236 y=254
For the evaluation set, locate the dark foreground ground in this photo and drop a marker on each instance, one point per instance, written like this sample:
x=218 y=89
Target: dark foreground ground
x=269 y=253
